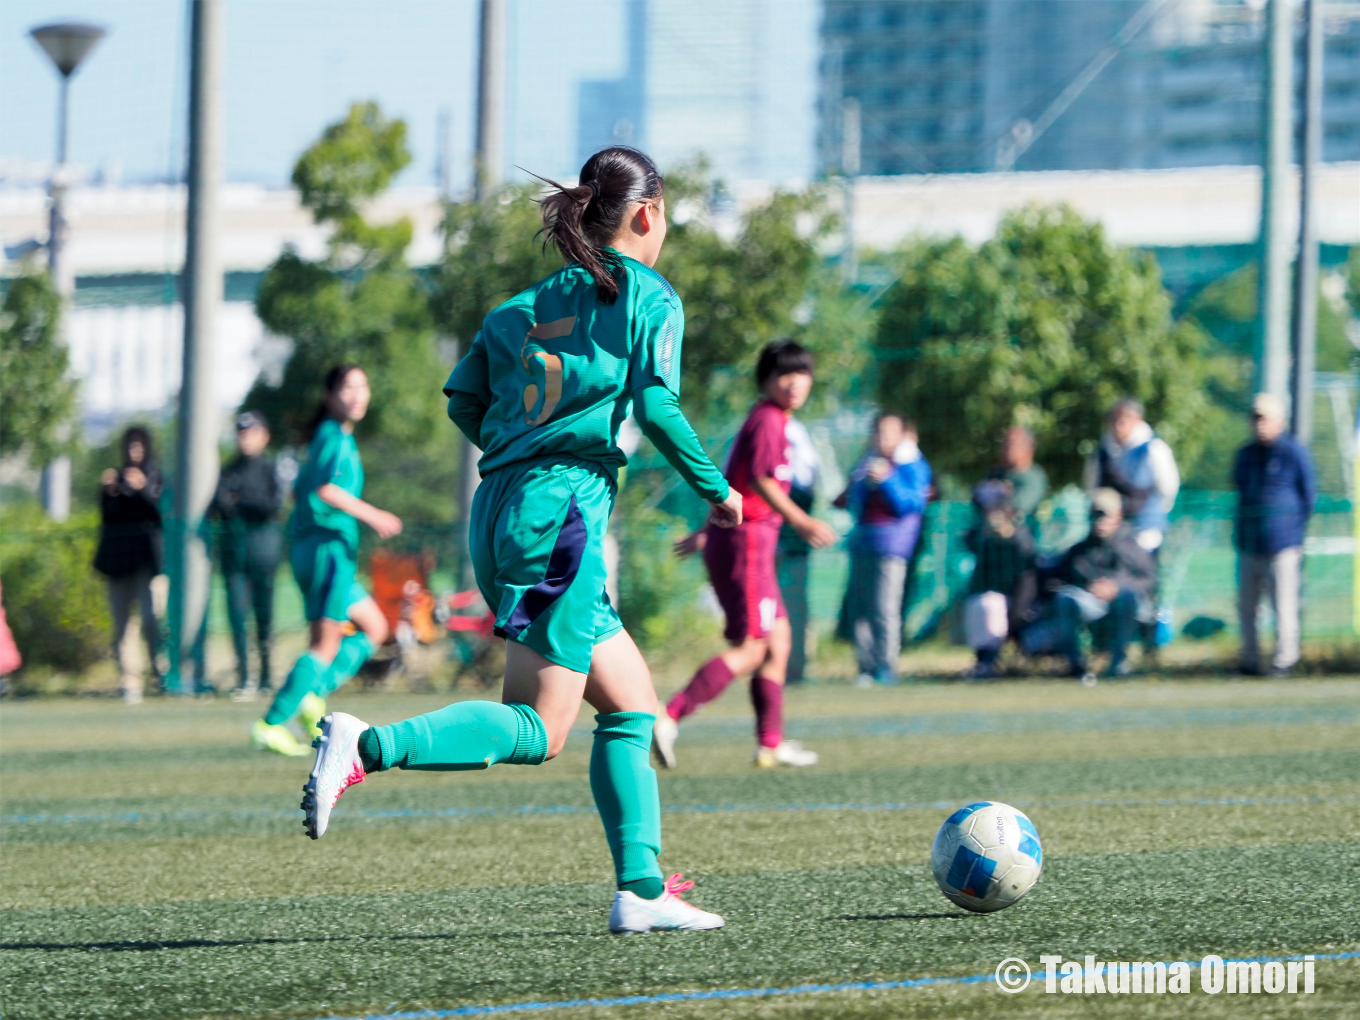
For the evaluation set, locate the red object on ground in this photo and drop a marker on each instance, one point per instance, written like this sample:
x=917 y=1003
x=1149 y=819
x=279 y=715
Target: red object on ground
x=10 y=659
x=480 y=624
x=400 y=589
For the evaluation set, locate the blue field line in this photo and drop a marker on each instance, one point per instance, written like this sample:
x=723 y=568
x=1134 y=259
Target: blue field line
x=753 y=993
x=581 y=809
x=1062 y=721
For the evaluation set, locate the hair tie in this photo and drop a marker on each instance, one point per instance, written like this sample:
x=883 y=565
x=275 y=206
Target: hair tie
x=594 y=186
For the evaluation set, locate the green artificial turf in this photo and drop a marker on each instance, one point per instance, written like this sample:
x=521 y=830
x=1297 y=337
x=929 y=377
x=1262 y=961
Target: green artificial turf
x=154 y=866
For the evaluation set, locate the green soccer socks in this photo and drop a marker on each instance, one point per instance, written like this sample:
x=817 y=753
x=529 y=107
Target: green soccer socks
x=624 y=785
x=309 y=676
x=355 y=649
x=463 y=736
x=303 y=679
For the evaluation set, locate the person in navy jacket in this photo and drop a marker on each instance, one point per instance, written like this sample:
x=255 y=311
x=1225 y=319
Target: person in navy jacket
x=887 y=495
x=1276 y=489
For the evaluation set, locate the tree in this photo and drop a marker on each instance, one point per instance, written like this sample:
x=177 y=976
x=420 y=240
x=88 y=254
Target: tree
x=491 y=253
x=1226 y=311
x=361 y=303
x=741 y=293
x=37 y=397
x=1045 y=325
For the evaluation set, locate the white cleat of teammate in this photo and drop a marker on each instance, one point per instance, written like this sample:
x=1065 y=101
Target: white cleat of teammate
x=337 y=768
x=789 y=752
x=668 y=912
x=664 y=732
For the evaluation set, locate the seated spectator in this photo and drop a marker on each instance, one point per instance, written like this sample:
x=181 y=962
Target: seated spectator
x=1002 y=588
x=887 y=495
x=1029 y=481
x=1106 y=583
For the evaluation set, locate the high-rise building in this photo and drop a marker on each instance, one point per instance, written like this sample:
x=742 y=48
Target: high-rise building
x=613 y=111
x=728 y=80
x=971 y=85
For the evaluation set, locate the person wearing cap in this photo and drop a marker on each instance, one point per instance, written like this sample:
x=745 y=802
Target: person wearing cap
x=1106 y=583
x=1276 y=489
x=244 y=513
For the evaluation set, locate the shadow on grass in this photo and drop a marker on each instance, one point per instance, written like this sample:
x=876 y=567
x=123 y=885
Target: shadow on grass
x=151 y=946
x=905 y=917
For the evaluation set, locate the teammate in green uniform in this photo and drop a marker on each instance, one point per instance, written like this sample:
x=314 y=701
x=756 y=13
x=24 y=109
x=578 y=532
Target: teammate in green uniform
x=325 y=533
x=543 y=390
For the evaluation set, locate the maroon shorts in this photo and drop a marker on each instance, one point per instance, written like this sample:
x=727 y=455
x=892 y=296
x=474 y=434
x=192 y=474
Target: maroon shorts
x=741 y=566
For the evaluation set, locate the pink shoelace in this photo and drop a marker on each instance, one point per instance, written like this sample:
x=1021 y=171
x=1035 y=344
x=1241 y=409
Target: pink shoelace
x=675 y=885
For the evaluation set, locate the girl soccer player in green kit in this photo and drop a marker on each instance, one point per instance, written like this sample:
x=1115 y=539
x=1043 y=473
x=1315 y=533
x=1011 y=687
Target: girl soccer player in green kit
x=325 y=533
x=543 y=390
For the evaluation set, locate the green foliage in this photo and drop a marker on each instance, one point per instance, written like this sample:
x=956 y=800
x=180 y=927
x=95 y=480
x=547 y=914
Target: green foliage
x=491 y=253
x=1225 y=311
x=37 y=397
x=1353 y=280
x=362 y=304
x=657 y=591
x=740 y=294
x=54 y=601
x=1046 y=325
x=355 y=160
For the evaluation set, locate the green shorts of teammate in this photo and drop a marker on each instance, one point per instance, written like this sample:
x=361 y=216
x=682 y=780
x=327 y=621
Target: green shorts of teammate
x=537 y=541
x=325 y=567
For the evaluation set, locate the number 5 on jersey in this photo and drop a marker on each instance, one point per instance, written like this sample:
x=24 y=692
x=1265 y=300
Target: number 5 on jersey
x=551 y=390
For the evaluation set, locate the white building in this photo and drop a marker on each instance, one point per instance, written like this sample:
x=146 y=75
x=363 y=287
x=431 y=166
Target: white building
x=127 y=245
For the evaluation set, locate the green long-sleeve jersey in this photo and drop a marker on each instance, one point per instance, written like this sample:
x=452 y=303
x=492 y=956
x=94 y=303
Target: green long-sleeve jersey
x=555 y=372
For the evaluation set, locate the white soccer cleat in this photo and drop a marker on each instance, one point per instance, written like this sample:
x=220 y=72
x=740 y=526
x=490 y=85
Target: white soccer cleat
x=337 y=768
x=668 y=912
x=789 y=752
x=664 y=732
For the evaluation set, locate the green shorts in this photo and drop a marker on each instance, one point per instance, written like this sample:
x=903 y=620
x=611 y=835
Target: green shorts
x=325 y=569
x=537 y=541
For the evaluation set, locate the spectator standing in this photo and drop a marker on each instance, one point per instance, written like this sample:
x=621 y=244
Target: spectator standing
x=794 y=552
x=887 y=496
x=1001 y=590
x=1028 y=480
x=129 y=554
x=1107 y=582
x=1133 y=461
x=1276 y=489
x=245 y=510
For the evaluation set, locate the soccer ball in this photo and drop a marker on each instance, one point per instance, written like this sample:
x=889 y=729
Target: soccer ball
x=986 y=856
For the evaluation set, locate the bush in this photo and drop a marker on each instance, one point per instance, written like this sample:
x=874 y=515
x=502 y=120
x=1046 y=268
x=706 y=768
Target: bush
x=658 y=594
x=54 y=600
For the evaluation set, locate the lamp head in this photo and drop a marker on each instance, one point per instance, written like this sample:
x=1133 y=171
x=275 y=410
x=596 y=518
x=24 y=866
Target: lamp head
x=67 y=43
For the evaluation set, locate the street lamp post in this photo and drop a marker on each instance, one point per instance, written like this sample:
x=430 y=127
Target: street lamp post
x=66 y=44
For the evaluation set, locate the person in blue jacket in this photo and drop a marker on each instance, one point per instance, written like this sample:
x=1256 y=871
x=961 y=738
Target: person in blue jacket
x=1276 y=488
x=887 y=496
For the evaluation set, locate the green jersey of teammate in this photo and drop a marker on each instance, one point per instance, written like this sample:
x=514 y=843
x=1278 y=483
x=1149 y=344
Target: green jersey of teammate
x=332 y=459
x=554 y=372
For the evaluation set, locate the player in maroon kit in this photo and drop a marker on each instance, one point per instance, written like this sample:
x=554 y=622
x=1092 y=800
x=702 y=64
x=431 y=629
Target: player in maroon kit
x=741 y=565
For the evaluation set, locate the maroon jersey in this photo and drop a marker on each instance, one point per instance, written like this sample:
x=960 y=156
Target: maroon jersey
x=761 y=450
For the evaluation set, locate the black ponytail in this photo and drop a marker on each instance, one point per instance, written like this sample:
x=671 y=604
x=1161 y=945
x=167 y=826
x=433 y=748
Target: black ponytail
x=580 y=221
x=335 y=378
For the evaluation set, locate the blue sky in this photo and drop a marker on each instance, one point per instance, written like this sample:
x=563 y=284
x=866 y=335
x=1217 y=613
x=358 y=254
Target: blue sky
x=293 y=65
